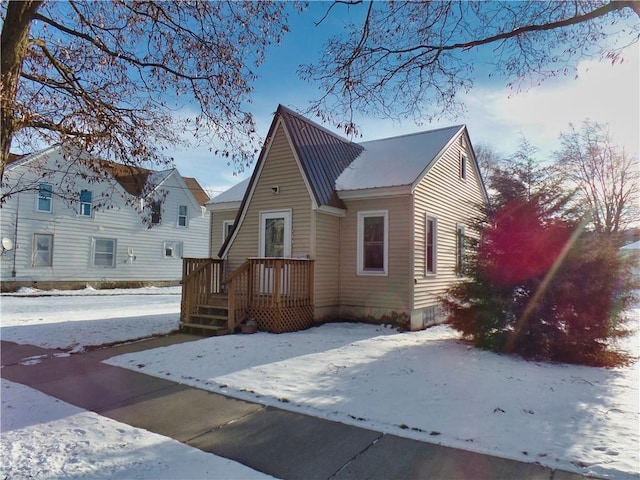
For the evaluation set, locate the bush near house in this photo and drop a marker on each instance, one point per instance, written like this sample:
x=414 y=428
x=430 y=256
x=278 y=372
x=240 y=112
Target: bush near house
x=538 y=286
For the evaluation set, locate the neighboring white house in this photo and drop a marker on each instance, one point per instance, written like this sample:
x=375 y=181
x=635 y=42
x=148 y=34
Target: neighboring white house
x=68 y=226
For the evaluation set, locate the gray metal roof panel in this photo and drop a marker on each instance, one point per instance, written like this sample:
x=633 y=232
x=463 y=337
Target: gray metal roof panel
x=323 y=155
x=395 y=161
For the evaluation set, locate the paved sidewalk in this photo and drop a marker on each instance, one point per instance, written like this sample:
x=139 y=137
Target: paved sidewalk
x=283 y=444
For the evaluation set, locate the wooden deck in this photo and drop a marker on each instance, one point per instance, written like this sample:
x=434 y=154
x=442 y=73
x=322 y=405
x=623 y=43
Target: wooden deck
x=276 y=292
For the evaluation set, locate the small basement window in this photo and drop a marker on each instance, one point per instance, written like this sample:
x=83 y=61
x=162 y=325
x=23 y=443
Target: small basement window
x=172 y=249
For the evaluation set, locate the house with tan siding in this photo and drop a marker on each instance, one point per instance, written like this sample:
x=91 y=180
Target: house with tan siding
x=375 y=229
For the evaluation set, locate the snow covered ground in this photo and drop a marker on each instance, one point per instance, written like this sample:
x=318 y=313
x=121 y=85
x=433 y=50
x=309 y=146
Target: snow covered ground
x=75 y=319
x=44 y=438
x=424 y=385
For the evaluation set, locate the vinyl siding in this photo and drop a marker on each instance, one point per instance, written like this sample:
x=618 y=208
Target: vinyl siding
x=327 y=267
x=362 y=295
x=452 y=200
x=218 y=217
x=73 y=234
x=279 y=168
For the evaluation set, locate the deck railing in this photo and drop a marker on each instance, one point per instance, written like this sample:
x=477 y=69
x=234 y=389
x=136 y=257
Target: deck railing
x=276 y=290
x=269 y=284
x=201 y=278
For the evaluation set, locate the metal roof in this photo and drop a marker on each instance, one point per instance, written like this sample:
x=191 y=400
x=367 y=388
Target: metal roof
x=332 y=163
x=322 y=154
x=395 y=161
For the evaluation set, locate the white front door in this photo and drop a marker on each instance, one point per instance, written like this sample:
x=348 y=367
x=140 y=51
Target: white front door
x=275 y=242
x=275 y=234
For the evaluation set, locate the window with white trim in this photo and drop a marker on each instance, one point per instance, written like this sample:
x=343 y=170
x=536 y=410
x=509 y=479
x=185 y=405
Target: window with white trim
x=172 y=249
x=156 y=212
x=42 y=254
x=460 y=249
x=431 y=245
x=373 y=242
x=182 y=216
x=104 y=252
x=45 y=198
x=227 y=226
x=463 y=166
x=85 y=203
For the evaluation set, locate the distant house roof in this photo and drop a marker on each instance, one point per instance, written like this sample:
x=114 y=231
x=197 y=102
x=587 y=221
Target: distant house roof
x=14 y=157
x=132 y=179
x=395 y=161
x=232 y=195
x=197 y=191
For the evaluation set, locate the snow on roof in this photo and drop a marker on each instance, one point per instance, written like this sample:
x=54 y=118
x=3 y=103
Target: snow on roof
x=395 y=161
x=632 y=246
x=234 y=194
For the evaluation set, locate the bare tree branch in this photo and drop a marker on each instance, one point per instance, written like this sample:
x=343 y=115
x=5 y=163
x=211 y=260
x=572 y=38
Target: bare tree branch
x=410 y=59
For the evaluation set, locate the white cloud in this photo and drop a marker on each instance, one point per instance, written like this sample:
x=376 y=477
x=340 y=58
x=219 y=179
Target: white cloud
x=601 y=92
x=497 y=116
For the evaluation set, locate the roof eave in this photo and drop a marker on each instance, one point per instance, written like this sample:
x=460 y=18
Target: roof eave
x=217 y=207
x=375 y=192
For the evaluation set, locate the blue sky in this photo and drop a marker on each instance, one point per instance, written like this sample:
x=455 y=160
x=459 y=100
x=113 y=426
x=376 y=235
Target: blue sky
x=495 y=115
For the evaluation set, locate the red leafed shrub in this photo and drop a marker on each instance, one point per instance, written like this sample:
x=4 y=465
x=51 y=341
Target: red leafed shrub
x=540 y=287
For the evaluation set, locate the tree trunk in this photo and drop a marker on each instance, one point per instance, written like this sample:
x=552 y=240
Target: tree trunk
x=14 y=42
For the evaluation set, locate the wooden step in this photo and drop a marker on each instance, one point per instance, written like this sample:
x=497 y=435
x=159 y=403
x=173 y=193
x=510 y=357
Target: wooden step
x=209 y=316
x=213 y=330
x=212 y=310
x=208 y=320
x=218 y=300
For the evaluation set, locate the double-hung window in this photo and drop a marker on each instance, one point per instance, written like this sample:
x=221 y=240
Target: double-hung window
x=460 y=249
x=104 y=252
x=42 y=254
x=463 y=166
x=45 y=198
x=373 y=242
x=227 y=226
x=431 y=245
x=182 y=215
x=85 y=202
x=156 y=212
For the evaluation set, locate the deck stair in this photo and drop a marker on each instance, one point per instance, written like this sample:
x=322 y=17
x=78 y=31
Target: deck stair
x=210 y=319
x=275 y=292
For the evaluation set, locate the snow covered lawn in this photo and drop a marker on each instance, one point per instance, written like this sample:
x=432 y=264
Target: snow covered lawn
x=75 y=319
x=425 y=385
